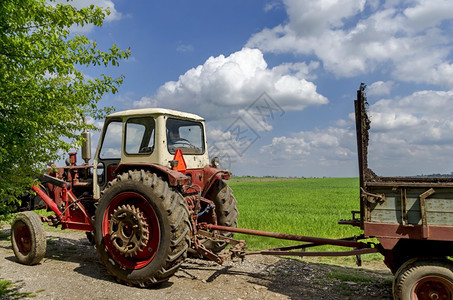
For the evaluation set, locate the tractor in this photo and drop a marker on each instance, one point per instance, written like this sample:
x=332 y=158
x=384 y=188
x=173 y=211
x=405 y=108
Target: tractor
x=140 y=202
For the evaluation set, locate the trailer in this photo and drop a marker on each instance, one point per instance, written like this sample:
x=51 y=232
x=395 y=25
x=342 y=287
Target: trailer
x=411 y=217
x=152 y=197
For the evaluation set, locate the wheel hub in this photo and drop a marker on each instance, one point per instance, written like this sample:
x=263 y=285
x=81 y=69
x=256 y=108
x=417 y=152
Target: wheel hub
x=129 y=230
x=23 y=239
x=433 y=288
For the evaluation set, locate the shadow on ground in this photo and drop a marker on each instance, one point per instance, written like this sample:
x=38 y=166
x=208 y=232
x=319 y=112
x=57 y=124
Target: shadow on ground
x=66 y=249
x=301 y=280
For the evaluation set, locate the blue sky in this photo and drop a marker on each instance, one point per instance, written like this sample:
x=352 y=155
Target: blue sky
x=235 y=62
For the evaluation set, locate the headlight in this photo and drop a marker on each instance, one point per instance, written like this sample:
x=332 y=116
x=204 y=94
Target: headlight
x=215 y=162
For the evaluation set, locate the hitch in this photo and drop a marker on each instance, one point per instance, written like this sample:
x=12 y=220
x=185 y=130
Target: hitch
x=237 y=250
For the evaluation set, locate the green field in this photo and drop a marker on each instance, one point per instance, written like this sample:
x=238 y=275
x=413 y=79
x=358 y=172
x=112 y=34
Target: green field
x=310 y=207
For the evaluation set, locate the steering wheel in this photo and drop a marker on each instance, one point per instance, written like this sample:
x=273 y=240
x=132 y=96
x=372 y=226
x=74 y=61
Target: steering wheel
x=146 y=149
x=181 y=141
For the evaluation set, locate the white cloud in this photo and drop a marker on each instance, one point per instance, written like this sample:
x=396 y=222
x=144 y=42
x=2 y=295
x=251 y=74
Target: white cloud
x=326 y=147
x=416 y=117
x=272 y=5
x=429 y=13
x=223 y=87
x=407 y=41
x=412 y=135
x=313 y=17
x=380 y=88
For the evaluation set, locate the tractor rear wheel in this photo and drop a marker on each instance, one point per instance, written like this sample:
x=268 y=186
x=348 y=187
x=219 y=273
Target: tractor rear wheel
x=142 y=229
x=28 y=238
x=226 y=212
x=424 y=278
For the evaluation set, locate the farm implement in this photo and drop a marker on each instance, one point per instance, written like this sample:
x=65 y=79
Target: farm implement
x=152 y=197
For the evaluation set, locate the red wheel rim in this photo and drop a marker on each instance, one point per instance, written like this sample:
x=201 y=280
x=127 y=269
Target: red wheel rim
x=432 y=288
x=22 y=236
x=144 y=257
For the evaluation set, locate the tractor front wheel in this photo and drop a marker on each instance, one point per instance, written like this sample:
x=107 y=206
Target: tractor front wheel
x=28 y=238
x=142 y=229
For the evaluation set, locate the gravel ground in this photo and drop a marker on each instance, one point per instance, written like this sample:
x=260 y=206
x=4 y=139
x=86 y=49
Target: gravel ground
x=71 y=270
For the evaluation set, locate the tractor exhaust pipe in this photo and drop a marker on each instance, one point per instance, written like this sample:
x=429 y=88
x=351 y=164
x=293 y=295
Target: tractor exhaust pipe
x=86 y=146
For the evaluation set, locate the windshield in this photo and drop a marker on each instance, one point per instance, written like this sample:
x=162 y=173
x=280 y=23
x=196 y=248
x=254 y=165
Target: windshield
x=185 y=135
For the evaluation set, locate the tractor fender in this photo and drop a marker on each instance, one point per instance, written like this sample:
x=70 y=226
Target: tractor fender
x=173 y=177
x=211 y=175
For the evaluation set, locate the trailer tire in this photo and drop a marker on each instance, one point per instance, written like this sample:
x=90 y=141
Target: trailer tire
x=158 y=237
x=424 y=278
x=28 y=238
x=226 y=211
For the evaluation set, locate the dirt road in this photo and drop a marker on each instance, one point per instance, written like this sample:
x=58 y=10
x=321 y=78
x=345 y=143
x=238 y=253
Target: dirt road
x=71 y=270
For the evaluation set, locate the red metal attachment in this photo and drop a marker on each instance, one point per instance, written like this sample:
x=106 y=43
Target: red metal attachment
x=71 y=214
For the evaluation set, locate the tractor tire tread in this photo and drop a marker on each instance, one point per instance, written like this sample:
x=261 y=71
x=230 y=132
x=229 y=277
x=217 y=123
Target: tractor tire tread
x=414 y=268
x=178 y=218
x=226 y=210
x=38 y=238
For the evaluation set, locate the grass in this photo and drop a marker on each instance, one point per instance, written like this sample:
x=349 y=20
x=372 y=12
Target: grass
x=4 y=235
x=310 y=207
x=10 y=291
x=6 y=218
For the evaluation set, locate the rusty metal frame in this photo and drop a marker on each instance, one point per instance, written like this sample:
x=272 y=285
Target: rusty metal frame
x=290 y=237
x=414 y=232
x=422 y=201
x=359 y=105
x=319 y=253
x=362 y=127
x=310 y=242
x=403 y=206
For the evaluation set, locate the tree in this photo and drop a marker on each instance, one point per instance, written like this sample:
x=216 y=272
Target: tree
x=43 y=92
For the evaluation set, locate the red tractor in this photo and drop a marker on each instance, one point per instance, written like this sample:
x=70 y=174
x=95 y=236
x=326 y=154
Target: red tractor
x=140 y=202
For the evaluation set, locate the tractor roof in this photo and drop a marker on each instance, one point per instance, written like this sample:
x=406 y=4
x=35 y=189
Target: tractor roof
x=156 y=112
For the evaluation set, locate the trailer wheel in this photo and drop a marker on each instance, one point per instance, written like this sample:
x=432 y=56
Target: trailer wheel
x=226 y=212
x=142 y=229
x=28 y=238
x=423 y=278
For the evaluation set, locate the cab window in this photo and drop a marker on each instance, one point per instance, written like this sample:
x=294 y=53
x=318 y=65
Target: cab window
x=140 y=135
x=111 y=144
x=185 y=135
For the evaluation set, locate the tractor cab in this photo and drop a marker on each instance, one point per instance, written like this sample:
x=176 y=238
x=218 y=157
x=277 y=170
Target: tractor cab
x=152 y=136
